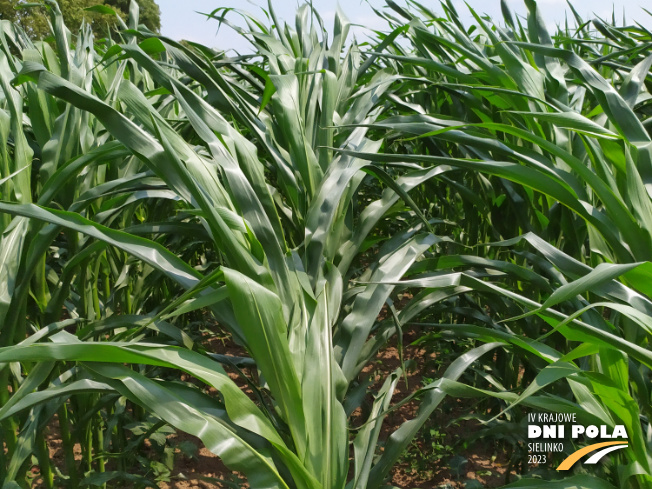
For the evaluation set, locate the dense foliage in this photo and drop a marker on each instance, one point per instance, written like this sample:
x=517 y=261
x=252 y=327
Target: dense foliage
x=496 y=179
x=33 y=18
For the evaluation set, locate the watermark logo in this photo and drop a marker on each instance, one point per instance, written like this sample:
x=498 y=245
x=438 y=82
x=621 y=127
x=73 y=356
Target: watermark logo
x=607 y=447
x=548 y=433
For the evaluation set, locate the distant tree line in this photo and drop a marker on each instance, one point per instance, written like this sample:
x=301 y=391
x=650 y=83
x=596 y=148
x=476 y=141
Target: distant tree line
x=34 y=20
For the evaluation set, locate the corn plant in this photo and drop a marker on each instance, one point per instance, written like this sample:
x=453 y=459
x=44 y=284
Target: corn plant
x=497 y=178
x=556 y=132
x=281 y=254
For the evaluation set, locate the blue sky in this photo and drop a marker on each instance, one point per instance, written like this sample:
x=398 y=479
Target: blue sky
x=180 y=20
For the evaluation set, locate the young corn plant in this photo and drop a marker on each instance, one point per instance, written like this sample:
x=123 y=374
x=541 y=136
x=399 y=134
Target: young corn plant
x=285 y=197
x=254 y=175
x=50 y=276
x=551 y=132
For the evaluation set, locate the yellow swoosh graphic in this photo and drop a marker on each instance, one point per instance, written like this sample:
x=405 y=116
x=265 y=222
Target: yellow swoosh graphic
x=574 y=457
